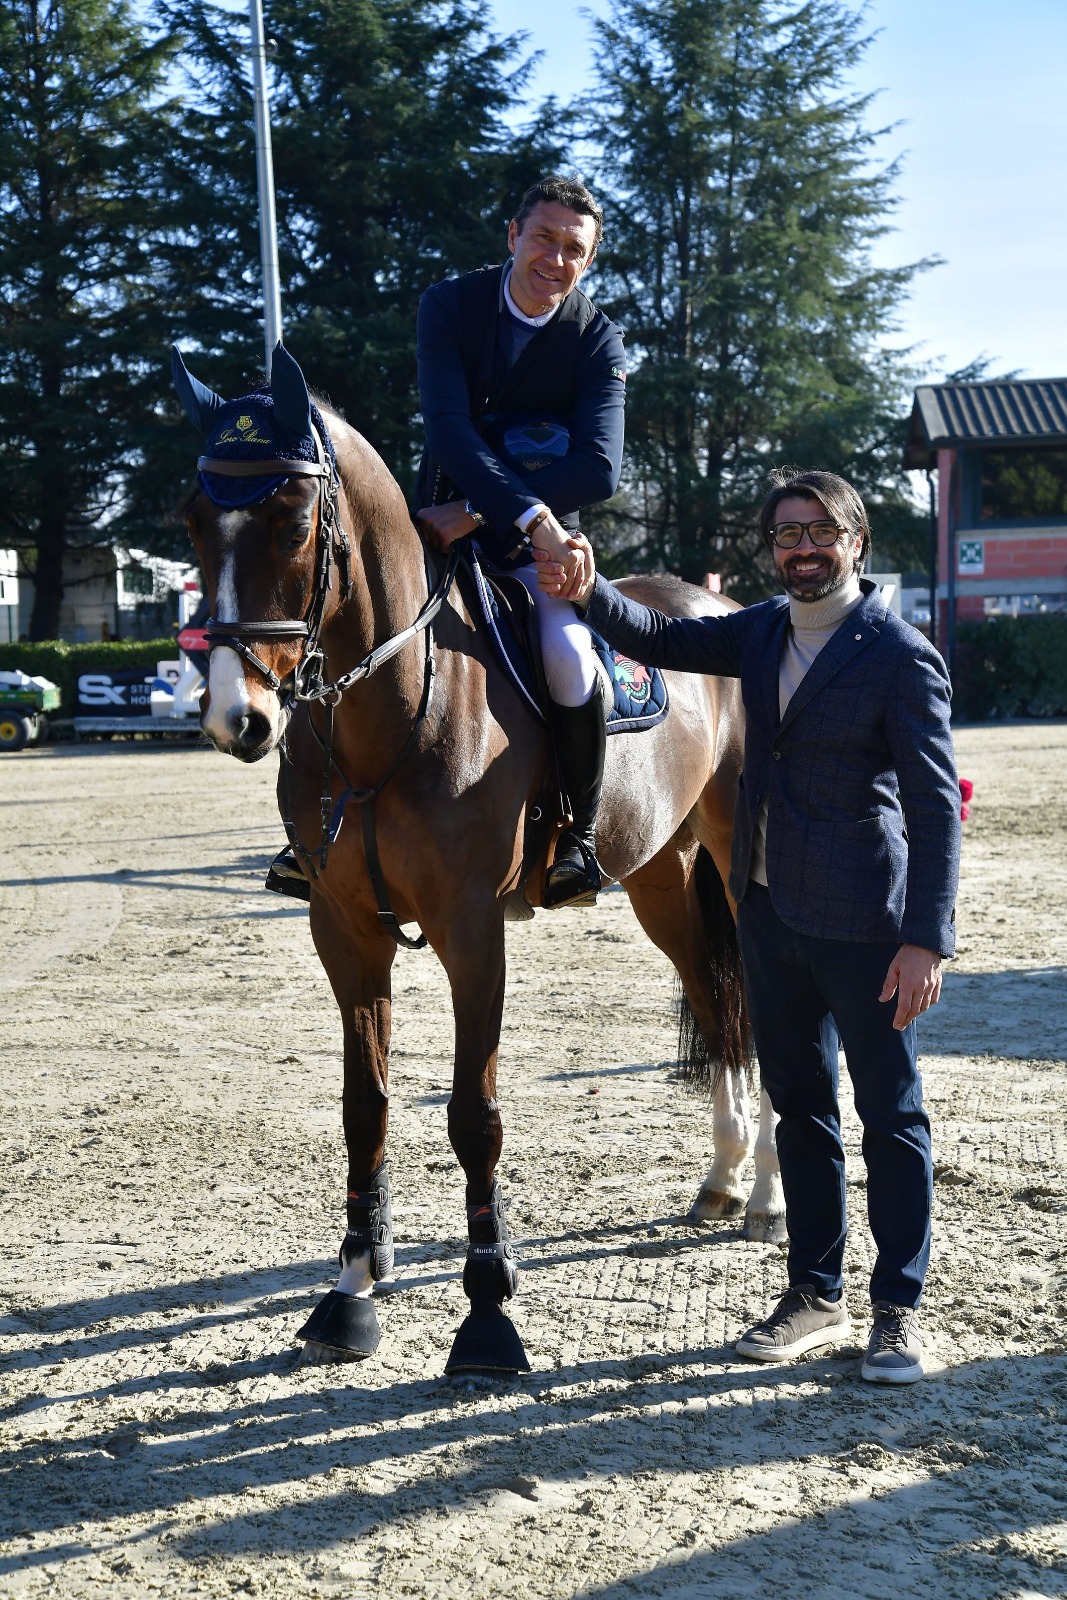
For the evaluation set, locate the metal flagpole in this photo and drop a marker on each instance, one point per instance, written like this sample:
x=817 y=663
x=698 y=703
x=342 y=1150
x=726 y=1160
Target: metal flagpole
x=268 y=224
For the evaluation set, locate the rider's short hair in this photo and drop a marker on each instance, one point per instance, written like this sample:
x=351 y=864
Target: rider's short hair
x=841 y=500
x=561 y=192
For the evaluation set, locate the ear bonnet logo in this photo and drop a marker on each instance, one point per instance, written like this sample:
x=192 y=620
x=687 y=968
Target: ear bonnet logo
x=246 y=432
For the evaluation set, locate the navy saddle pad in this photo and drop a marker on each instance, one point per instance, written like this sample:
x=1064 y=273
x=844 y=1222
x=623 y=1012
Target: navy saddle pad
x=640 y=692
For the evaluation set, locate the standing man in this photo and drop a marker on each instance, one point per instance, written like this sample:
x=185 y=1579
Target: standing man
x=522 y=386
x=845 y=866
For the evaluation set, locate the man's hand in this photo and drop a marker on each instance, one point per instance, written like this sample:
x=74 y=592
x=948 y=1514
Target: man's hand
x=443 y=525
x=914 y=976
x=553 y=575
x=550 y=538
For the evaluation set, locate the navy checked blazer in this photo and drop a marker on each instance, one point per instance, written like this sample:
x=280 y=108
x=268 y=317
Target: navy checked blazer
x=863 y=814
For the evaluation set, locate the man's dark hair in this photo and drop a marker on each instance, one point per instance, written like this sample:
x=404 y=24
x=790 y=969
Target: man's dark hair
x=561 y=192
x=842 y=503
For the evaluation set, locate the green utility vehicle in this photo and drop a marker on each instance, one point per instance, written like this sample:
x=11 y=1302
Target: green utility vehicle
x=24 y=706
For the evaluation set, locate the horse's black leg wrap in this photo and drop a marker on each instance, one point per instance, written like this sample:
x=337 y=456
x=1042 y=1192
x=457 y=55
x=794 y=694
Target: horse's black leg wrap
x=370 y=1225
x=487 y=1340
x=490 y=1272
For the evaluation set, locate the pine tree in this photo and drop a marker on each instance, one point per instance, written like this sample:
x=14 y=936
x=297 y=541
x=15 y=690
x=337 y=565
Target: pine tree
x=84 y=125
x=744 y=203
x=394 y=167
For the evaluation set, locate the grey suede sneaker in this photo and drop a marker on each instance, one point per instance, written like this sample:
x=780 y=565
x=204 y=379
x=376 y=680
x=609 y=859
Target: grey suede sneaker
x=895 y=1353
x=801 y=1321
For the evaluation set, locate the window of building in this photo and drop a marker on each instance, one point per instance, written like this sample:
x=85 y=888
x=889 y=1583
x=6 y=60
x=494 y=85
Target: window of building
x=1023 y=485
x=137 y=580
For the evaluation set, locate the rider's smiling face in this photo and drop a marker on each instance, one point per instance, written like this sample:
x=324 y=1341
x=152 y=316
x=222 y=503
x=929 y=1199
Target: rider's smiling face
x=551 y=253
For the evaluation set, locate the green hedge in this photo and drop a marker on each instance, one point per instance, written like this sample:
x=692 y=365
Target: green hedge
x=1011 y=667
x=63 y=663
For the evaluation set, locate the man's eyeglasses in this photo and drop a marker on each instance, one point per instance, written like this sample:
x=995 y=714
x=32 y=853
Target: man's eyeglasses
x=787 y=535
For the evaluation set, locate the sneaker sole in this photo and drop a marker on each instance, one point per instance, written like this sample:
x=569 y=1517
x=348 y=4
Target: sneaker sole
x=840 y=1333
x=891 y=1374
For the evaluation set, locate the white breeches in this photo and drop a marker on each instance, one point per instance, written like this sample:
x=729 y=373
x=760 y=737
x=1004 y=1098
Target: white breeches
x=566 y=644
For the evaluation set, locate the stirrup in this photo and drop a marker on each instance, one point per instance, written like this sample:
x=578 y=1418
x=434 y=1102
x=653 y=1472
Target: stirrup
x=576 y=886
x=285 y=877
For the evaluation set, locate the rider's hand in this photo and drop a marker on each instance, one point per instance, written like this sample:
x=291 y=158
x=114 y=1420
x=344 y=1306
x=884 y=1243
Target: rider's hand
x=553 y=577
x=443 y=525
x=914 y=976
x=549 y=536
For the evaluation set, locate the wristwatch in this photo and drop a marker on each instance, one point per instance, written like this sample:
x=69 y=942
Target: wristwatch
x=476 y=516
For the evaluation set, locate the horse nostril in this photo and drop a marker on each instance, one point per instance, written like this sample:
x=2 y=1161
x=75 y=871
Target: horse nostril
x=253 y=729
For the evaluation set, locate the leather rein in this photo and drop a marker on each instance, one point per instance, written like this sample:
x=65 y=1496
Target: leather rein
x=307 y=683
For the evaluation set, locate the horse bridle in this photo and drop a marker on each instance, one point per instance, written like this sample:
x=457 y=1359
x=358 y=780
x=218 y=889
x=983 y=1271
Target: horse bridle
x=306 y=682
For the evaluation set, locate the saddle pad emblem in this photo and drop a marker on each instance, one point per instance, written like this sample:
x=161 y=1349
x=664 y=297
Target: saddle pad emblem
x=636 y=680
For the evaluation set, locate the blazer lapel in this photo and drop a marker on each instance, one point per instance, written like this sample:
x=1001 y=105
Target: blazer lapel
x=539 y=349
x=772 y=663
x=854 y=635
x=486 y=323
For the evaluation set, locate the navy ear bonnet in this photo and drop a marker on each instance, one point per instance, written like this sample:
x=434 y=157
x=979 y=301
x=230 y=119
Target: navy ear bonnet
x=273 y=421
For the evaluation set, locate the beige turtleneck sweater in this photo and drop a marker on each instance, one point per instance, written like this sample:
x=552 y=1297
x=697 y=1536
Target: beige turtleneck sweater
x=812 y=624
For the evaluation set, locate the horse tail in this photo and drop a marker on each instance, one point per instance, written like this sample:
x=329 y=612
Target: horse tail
x=702 y=1059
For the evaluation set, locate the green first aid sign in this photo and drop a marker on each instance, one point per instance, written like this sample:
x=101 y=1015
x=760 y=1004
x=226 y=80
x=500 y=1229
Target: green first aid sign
x=971 y=557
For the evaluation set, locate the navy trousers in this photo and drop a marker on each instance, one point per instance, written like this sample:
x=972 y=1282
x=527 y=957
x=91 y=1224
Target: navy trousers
x=803 y=992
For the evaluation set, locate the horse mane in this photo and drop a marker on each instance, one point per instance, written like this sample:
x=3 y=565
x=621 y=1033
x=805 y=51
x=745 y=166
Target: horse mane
x=369 y=486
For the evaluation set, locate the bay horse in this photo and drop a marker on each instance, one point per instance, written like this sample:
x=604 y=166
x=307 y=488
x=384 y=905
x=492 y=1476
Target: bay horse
x=337 y=640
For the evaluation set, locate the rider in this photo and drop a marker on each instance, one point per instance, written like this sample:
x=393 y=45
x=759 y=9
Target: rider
x=522 y=387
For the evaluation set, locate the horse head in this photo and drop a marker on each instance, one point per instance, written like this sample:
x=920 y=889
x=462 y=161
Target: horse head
x=263 y=520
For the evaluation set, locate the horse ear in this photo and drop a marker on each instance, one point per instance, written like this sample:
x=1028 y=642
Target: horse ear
x=292 y=405
x=198 y=401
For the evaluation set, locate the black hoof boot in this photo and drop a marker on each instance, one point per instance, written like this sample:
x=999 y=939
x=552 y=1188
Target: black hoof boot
x=342 y=1327
x=487 y=1341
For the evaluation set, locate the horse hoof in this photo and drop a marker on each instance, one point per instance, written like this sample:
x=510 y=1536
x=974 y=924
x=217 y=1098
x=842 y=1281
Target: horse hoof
x=322 y=1355
x=712 y=1205
x=343 y=1327
x=766 y=1227
x=487 y=1341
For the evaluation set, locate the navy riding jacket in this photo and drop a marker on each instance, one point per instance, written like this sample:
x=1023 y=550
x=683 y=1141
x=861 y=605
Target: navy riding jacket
x=863 y=802
x=572 y=369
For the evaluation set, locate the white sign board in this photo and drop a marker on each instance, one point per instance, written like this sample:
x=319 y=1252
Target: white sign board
x=889 y=585
x=9 y=583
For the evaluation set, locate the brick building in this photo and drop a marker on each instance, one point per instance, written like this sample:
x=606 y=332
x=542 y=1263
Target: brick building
x=999 y=451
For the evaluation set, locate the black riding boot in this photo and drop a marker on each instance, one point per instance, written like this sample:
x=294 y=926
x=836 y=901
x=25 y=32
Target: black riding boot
x=574 y=876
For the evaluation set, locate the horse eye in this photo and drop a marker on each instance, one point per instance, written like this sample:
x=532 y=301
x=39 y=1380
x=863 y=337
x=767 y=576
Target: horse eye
x=295 y=538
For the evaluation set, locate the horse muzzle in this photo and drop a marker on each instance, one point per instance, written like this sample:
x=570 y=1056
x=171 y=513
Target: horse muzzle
x=242 y=719
x=248 y=735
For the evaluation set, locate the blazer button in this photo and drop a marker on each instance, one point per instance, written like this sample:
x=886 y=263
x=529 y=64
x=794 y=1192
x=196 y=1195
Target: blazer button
x=859 y=636
x=777 y=754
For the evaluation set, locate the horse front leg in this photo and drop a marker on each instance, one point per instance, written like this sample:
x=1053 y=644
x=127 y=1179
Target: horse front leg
x=487 y=1340
x=344 y=1324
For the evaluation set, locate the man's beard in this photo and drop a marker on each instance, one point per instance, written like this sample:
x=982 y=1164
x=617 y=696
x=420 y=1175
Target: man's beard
x=805 y=590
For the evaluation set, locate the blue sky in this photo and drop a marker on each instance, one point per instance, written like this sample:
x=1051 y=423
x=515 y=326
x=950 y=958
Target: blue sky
x=980 y=90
